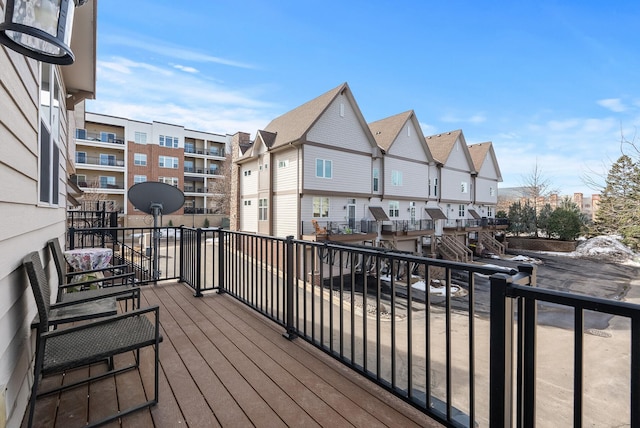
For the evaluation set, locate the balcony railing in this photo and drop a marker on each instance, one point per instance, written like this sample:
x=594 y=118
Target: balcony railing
x=103 y=137
x=341 y=227
x=400 y=226
x=416 y=326
x=94 y=160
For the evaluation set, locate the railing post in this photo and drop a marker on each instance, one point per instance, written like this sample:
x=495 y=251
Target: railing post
x=291 y=331
x=198 y=273
x=501 y=353
x=181 y=255
x=72 y=238
x=221 y=260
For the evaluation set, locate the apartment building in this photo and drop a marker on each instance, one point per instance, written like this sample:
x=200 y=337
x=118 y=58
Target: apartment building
x=320 y=171
x=114 y=153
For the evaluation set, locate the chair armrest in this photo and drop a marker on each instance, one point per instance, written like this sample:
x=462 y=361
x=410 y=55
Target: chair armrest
x=155 y=309
x=133 y=292
x=105 y=269
x=98 y=280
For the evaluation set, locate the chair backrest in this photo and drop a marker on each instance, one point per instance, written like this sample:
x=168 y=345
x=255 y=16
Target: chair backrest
x=58 y=259
x=39 y=286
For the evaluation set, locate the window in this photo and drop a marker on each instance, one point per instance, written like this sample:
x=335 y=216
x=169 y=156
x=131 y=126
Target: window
x=81 y=180
x=396 y=178
x=492 y=191
x=323 y=168
x=188 y=166
x=140 y=137
x=189 y=147
x=107 y=182
x=489 y=211
x=283 y=163
x=168 y=141
x=81 y=157
x=435 y=187
x=108 y=160
x=320 y=207
x=168 y=162
x=173 y=181
x=376 y=179
x=81 y=134
x=140 y=159
x=394 y=209
x=262 y=209
x=49 y=151
x=139 y=179
x=107 y=137
x=341 y=109
x=462 y=211
x=247 y=202
x=247 y=172
x=464 y=187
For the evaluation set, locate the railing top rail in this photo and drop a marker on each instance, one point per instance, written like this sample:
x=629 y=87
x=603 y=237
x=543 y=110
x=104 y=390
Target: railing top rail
x=584 y=302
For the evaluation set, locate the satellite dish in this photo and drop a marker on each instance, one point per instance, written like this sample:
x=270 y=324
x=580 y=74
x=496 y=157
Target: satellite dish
x=153 y=197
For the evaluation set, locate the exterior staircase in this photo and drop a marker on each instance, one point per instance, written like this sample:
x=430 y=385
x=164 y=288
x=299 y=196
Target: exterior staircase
x=451 y=249
x=491 y=244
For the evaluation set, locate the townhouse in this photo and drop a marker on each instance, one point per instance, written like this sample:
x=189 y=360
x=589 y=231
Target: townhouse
x=114 y=153
x=320 y=171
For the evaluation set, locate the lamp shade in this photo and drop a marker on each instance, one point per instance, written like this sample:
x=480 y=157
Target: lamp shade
x=40 y=29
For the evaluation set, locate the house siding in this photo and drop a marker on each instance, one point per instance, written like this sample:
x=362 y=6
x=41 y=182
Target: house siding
x=27 y=224
x=350 y=171
x=340 y=131
x=415 y=178
x=285 y=215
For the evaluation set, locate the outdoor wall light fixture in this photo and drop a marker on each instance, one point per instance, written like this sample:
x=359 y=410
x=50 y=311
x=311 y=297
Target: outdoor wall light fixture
x=40 y=29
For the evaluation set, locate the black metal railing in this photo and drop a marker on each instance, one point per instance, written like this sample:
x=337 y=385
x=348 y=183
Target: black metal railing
x=388 y=315
x=134 y=246
x=514 y=366
x=340 y=227
x=398 y=226
x=438 y=334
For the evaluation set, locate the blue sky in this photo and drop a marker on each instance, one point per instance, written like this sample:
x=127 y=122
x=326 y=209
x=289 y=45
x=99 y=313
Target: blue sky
x=549 y=82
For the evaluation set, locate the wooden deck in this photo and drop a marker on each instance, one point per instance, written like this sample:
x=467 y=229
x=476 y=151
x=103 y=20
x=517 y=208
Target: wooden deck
x=224 y=365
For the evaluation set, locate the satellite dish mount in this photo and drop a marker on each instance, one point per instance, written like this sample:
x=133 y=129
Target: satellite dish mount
x=156 y=198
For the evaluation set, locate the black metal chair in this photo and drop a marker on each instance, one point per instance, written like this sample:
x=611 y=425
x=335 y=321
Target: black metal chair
x=127 y=290
x=65 y=349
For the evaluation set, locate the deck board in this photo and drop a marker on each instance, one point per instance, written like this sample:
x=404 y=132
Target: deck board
x=222 y=364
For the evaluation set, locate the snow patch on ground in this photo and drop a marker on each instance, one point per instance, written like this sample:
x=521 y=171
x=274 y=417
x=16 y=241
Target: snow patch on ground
x=604 y=248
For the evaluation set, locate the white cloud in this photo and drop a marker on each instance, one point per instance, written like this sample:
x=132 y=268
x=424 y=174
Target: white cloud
x=185 y=68
x=171 y=51
x=613 y=104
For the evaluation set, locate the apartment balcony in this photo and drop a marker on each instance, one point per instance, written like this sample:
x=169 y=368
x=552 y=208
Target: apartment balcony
x=100 y=163
x=408 y=227
x=97 y=185
x=366 y=341
x=477 y=224
x=98 y=137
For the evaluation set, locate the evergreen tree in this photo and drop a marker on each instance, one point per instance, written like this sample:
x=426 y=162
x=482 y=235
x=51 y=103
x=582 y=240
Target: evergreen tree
x=565 y=224
x=543 y=219
x=618 y=211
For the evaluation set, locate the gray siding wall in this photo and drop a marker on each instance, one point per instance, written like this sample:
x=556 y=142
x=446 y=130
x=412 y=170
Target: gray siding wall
x=340 y=131
x=350 y=171
x=26 y=224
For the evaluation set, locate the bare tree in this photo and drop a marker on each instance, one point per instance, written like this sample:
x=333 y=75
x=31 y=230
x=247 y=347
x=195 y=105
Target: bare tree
x=221 y=188
x=536 y=187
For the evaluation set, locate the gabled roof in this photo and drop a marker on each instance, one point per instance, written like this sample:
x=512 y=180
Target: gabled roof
x=268 y=138
x=441 y=146
x=385 y=131
x=480 y=152
x=293 y=126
